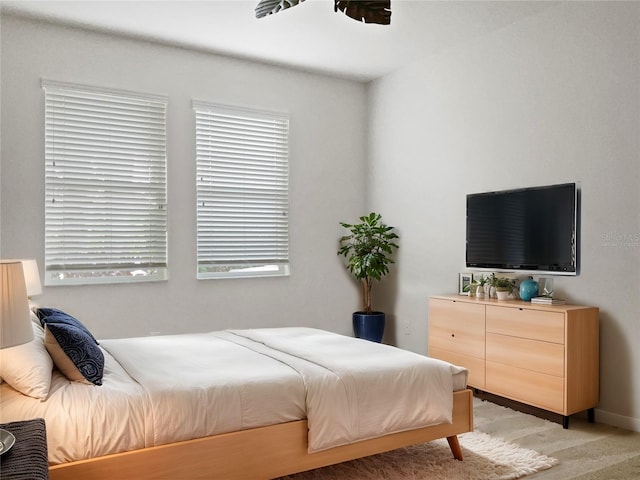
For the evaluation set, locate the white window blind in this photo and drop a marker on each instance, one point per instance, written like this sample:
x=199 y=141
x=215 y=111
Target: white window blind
x=105 y=185
x=242 y=192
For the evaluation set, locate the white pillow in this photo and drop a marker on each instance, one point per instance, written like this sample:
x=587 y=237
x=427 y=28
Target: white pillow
x=27 y=367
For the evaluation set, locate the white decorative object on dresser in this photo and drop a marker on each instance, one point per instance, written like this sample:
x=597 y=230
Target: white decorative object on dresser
x=546 y=356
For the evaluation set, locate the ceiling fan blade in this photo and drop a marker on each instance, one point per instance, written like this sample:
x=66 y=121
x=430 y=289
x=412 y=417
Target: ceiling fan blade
x=375 y=11
x=267 y=7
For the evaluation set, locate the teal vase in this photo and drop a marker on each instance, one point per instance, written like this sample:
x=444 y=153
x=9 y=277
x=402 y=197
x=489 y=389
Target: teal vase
x=528 y=289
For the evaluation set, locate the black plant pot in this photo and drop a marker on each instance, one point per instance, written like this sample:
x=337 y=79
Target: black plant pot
x=369 y=326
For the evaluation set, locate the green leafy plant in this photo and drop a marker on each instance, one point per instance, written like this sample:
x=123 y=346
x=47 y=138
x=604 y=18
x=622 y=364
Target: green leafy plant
x=502 y=283
x=368 y=248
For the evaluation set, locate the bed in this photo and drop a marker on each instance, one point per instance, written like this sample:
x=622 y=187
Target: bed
x=258 y=403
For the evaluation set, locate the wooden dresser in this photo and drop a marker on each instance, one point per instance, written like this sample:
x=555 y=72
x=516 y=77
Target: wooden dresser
x=546 y=356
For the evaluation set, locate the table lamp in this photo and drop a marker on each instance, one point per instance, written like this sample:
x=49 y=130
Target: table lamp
x=32 y=280
x=15 y=319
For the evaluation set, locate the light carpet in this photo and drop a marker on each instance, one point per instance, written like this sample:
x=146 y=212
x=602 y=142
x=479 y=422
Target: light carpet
x=485 y=458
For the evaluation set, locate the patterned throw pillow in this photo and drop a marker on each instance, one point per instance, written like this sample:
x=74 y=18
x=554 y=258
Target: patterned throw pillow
x=53 y=315
x=74 y=352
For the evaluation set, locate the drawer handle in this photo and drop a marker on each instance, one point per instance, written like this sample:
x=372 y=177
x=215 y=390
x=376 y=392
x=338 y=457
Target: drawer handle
x=453 y=334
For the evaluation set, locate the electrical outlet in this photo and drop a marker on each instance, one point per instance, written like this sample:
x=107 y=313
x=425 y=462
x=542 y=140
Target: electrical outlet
x=406 y=327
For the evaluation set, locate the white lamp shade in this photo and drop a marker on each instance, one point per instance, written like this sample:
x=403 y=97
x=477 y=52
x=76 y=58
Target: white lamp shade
x=15 y=319
x=32 y=277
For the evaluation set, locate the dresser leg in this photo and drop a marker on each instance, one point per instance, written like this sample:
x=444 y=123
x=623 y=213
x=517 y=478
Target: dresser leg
x=591 y=415
x=565 y=422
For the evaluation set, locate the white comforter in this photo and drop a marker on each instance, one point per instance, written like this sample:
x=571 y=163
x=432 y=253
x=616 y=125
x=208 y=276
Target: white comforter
x=172 y=388
x=356 y=389
x=202 y=384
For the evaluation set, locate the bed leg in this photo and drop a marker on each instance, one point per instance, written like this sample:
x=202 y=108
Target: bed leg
x=454 y=445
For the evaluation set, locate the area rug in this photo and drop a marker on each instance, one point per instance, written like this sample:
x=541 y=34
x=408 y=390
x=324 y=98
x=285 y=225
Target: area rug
x=485 y=458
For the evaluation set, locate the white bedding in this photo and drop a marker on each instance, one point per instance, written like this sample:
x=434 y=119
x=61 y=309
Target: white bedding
x=85 y=421
x=171 y=388
x=358 y=389
x=201 y=385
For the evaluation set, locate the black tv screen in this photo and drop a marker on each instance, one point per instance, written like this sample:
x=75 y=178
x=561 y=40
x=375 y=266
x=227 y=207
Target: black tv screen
x=531 y=229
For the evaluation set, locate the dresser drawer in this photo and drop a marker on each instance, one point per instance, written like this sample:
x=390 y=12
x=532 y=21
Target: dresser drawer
x=457 y=327
x=533 y=388
x=542 y=357
x=525 y=323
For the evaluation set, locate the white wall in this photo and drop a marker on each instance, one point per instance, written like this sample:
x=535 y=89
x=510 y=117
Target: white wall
x=551 y=99
x=327 y=161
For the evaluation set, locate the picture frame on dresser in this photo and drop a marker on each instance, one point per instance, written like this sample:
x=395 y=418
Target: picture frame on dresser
x=464 y=282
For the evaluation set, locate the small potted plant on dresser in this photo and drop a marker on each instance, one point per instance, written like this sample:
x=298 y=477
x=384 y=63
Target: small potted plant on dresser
x=368 y=249
x=480 y=290
x=504 y=286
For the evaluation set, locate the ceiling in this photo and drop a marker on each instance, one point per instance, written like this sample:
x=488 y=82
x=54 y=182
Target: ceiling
x=309 y=36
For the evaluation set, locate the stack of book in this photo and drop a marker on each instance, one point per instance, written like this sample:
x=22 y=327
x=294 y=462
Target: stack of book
x=548 y=300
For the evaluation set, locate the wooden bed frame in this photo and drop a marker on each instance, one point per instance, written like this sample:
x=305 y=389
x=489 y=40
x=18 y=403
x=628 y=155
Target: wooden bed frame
x=259 y=453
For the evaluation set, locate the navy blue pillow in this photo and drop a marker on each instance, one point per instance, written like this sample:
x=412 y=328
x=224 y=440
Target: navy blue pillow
x=53 y=315
x=74 y=352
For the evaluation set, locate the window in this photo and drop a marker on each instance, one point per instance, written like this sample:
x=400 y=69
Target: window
x=242 y=192
x=105 y=186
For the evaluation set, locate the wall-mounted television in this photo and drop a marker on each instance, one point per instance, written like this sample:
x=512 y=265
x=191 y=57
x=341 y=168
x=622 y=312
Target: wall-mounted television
x=528 y=229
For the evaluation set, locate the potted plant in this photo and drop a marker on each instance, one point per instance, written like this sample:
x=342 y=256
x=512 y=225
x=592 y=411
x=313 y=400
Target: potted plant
x=503 y=285
x=471 y=288
x=368 y=248
x=480 y=290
